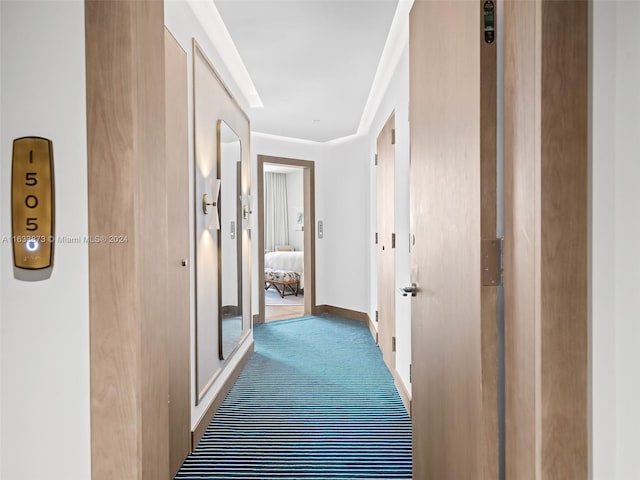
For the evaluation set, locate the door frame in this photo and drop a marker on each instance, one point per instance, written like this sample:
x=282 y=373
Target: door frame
x=308 y=168
x=546 y=239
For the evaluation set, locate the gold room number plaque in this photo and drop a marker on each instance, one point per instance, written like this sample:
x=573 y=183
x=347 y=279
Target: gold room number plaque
x=32 y=203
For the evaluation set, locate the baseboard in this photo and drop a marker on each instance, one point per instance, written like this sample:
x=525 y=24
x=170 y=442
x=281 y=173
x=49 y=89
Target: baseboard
x=372 y=329
x=231 y=310
x=351 y=314
x=202 y=425
x=402 y=390
x=341 y=312
x=257 y=320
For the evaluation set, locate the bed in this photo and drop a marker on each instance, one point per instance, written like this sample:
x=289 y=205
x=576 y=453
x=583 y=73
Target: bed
x=286 y=262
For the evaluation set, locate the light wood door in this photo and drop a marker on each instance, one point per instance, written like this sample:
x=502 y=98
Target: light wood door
x=454 y=367
x=385 y=248
x=177 y=145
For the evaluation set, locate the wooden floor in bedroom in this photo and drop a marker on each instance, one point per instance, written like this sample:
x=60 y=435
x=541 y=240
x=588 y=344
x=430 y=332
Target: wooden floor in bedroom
x=281 y=312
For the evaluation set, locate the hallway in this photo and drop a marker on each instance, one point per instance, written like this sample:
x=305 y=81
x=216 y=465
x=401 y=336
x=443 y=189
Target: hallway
x=314 y=401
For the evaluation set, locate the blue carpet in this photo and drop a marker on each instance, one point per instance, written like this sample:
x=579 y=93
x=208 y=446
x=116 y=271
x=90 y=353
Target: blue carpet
x=315 y=401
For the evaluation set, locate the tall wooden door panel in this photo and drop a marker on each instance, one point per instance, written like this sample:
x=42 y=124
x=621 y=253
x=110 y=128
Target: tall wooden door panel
x=453 y=319
x=386 y=243
x=127 y=196
x=546 y=239
x=177 y=145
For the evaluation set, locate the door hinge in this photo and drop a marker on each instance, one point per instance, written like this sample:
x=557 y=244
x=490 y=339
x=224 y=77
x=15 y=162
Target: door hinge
x=393 y=344
x=492 y=261
x=376 y=238
x=393 y=240
x=377 y=315
x=409 y=373
x=375 y=160
x=393 y=136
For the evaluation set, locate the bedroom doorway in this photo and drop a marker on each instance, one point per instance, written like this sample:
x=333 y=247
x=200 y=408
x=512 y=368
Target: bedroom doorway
x=286 y=243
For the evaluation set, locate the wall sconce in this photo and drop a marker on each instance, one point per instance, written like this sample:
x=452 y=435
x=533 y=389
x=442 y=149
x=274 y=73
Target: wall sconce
x=247 y=210
x=212 y=201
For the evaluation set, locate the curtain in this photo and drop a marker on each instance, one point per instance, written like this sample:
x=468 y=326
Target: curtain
x=276 y=221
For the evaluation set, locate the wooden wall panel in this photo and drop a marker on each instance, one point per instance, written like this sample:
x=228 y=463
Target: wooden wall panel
x=177 y=181
x=563 y=237
x=150 y=197
x=546 y=161
x=127 y=280
x=521 y=113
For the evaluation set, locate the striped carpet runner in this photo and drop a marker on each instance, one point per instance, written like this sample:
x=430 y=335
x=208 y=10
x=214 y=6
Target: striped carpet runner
x=315 y=401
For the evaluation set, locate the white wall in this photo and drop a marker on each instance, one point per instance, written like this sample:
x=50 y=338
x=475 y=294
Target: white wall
x=615 y=235
x=343 y=202
x=628 y=238
x=44 y=351
x=183 y=24
x=295 y=201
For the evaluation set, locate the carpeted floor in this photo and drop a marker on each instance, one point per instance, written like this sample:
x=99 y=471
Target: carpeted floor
x=314 y=402
x=272 y=297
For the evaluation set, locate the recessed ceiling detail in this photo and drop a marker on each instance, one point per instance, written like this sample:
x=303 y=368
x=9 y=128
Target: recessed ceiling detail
x=309 y=59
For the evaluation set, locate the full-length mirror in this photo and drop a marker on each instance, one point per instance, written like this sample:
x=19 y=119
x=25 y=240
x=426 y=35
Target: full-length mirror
x=230 y=211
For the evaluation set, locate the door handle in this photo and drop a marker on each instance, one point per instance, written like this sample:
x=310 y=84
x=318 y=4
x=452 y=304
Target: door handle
x=413 y=290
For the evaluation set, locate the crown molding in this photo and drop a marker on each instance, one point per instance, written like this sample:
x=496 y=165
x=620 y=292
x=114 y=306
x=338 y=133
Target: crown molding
x=209 y=17
x=282 y=138
x=397 y=40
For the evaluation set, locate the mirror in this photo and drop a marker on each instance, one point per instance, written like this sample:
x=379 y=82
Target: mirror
x=230 y=244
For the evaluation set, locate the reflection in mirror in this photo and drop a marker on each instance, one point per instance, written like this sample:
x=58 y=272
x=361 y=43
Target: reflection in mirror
x=230 y=156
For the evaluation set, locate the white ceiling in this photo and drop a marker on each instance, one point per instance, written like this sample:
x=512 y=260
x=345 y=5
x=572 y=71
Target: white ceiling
x=309 y=60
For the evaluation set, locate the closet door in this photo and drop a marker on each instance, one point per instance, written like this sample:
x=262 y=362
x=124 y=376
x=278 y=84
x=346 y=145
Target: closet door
x=177 y=145
x=385 y=243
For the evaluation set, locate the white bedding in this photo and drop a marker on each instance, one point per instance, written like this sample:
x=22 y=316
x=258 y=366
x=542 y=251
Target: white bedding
x=288 y=261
